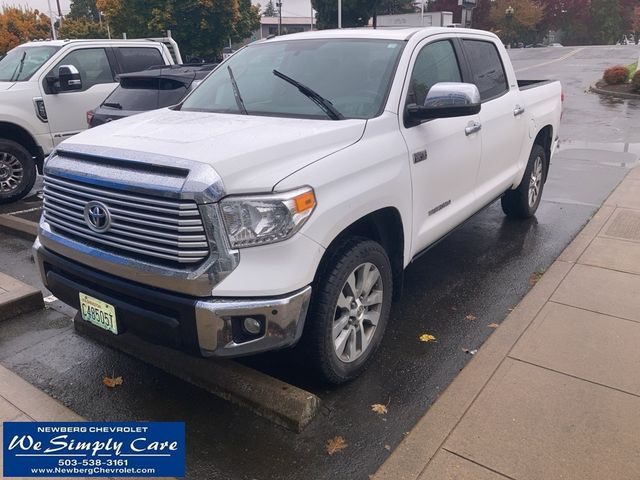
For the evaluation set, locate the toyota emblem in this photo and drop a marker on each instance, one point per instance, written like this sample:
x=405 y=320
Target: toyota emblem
x=97 y=217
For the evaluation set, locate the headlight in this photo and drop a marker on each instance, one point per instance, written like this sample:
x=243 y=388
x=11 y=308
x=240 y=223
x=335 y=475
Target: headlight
x=261 y=219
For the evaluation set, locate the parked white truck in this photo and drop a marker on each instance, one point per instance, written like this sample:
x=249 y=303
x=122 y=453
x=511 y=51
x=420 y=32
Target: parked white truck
x=280 y=202
x=46 y=89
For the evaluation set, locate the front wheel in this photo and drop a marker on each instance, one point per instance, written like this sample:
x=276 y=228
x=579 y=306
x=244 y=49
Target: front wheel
x=525 y=199
x=349 y=310
x=17 y=171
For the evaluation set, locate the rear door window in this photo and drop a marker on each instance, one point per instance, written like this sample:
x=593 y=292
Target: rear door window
x=486 y=68
x=138 y=96
x=170 y=92
x=136 y=59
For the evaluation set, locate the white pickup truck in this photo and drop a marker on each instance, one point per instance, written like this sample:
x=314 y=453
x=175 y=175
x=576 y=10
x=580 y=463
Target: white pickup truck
x=46 y=89
x=280 y=202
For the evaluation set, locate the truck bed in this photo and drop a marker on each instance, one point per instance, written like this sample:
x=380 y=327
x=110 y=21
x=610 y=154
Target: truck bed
x=527 y=84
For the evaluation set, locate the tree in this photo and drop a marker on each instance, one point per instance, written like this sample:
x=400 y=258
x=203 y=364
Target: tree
x=447 y=6
x=270 y=10
x=521 y=25
x=606 y=21
x=19 y=25
x=248 y=23
x=355 y=13
x=201 y=27
x=393 y=7
x=571 y=17
x=81 y=9
x=81 y=28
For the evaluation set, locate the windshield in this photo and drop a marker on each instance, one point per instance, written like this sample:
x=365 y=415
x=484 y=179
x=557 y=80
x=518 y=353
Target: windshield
x=353 y=74
x=22 y=62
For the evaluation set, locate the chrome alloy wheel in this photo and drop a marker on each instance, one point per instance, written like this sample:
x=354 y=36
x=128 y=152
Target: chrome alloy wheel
x=357 y=312
x=11 y=172
x=535 y=181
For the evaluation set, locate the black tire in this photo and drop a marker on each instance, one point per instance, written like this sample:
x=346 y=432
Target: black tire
x=516 y=203
x=12 y=154
x=317 y=345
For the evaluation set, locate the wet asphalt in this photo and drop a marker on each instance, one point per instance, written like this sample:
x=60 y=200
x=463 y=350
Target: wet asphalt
x=468 y=281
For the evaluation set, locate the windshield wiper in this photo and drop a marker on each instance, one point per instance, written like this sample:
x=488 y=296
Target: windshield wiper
x=236 y=93
x=112 y=105
x=326 y=106
x=19 y=68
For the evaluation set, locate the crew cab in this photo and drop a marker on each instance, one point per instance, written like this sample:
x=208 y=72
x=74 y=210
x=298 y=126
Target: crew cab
x=46 y=89
x=279 y=203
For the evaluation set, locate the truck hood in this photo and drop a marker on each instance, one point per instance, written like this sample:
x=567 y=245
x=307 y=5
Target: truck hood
x=250 y=153
x=6 y=85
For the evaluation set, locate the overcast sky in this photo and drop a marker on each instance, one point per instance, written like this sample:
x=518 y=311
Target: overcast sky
x=290 y=8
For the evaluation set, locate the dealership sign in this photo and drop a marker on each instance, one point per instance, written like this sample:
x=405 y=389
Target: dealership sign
x=93 y=449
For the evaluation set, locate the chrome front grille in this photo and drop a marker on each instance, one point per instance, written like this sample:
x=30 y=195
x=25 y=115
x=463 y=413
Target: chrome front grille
x=141 y=225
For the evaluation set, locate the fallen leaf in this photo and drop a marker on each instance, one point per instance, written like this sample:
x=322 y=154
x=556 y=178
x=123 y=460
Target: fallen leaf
x=379 y=408
x=425 y=337
x=493 y=325
x=387 y=447
x=336 y=444
x=470 y=317
x=471 y=352
x=112 y=382
x=535 y=277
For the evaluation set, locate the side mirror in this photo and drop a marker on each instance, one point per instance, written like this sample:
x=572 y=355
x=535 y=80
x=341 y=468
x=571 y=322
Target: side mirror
x=69 y=78
x=445 y=100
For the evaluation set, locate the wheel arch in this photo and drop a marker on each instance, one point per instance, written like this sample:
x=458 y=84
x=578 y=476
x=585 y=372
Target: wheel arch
x=383 y=226
x=544 y=138
x=16 y=133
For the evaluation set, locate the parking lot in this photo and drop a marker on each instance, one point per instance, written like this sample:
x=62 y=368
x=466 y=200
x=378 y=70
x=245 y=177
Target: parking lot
x=467 y=282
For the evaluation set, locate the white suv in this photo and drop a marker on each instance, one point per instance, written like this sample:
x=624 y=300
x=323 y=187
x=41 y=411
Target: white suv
x=46 y=89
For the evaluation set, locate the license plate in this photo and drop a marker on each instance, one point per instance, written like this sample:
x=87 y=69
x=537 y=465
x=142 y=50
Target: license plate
x=100 y=313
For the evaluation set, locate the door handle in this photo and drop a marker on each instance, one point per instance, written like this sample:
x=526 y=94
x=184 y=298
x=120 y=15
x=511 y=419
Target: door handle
x=518 y=110
x=472 y=127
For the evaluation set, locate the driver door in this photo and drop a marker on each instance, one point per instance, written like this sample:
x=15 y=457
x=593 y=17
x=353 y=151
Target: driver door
x=444 y=153
x=66 y=110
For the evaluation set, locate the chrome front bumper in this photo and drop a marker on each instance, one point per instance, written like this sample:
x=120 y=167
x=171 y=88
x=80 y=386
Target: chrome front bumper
x=206 y=326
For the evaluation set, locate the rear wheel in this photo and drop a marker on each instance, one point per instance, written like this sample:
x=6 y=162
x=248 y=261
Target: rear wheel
x=349 y=310
x=525 y=199
x=17 y=171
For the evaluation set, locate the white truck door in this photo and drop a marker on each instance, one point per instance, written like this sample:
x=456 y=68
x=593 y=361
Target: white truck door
x=67 y=109
x=503 y=125
x=444 y=156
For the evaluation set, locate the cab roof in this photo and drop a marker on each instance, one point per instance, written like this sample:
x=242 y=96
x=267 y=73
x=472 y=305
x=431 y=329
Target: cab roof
x=62 y=43
x=401 y=34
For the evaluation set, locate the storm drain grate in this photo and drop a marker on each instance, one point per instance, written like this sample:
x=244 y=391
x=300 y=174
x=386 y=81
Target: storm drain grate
x=626 y=224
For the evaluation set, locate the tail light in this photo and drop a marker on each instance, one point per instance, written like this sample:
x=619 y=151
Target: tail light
x=561 y=103
x=90 y=115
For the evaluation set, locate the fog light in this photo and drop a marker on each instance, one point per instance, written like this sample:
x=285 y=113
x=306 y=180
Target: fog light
x=251 y=325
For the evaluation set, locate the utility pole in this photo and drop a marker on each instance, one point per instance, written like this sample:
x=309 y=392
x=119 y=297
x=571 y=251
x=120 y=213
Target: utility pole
x=339 y=13
x=279 y=5
x=59 y=9
x=54 y=36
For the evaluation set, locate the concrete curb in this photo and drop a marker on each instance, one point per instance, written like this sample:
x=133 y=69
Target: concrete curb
x=19 y=224
x=277 y=401
x=410 y=458
x=17 y=297
x=627 y=96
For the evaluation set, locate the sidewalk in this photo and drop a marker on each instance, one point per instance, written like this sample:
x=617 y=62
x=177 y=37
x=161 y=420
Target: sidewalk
x=554 y=393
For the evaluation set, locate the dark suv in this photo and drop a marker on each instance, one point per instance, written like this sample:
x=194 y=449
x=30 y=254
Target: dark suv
x=150 y=89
